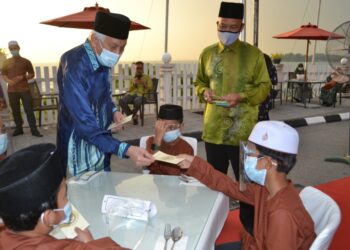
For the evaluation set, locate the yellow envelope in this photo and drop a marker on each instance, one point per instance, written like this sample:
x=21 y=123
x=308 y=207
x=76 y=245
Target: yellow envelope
x=160 y=156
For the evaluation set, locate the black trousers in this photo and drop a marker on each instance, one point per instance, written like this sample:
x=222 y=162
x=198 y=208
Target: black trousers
x=27 y=101
x=219 y=156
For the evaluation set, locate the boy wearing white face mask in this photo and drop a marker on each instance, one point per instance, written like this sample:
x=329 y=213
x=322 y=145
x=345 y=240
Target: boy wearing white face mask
x=280 y=219
x=33 y=201
x=167 y=139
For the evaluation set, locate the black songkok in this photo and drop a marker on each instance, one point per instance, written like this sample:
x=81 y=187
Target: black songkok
x=28 y=178
x=231 y=10
x=112 y=24
x=170 y=112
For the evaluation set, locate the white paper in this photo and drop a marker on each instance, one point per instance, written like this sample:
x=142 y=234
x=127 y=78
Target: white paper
x=136 y=209
x=160 y=156
x=125 y=120
x=77 y=220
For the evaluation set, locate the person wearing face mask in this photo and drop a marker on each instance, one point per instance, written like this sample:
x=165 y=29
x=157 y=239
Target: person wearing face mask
x=234 y=72
x=280 y=219
x=167 y=139
x=17 y=71
x=86 y=108
x=139 y=85
x=30 y=212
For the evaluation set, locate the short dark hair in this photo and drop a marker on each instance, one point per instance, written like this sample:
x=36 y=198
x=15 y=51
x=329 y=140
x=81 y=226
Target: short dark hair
x=28 y=221
x=139 y=62
x=285 y=161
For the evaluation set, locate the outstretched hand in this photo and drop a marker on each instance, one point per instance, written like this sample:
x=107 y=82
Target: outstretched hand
x=140 y=156
x=186 y=163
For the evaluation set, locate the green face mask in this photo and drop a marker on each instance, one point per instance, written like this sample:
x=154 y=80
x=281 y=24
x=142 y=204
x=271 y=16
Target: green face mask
x=14 y=52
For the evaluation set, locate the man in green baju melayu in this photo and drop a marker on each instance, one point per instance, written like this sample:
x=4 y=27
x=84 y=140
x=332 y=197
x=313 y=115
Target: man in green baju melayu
x=233 y=80
x=234 y=72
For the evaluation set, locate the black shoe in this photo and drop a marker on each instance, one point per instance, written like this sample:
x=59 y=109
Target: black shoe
x=17 y=132
x=135 y=120
x=36 y=133
x=297 y=99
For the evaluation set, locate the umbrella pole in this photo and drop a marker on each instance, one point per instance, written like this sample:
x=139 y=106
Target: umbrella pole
x=306 y=58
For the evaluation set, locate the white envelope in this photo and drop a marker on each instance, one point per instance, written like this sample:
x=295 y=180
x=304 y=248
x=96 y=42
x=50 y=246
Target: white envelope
x=125 y=120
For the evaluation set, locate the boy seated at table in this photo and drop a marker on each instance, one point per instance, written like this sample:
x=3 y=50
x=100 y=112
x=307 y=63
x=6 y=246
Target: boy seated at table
x=280 y=219
x=167 y=139
x=33 y=201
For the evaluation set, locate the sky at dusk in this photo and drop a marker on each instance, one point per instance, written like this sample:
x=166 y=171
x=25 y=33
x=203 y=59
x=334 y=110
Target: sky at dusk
x=192 y=26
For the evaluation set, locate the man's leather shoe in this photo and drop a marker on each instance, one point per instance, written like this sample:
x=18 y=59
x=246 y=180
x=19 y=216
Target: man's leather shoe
x=36 y=133
x=17 y=132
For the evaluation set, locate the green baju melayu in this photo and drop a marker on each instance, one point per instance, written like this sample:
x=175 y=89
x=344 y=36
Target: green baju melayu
x=237 y=68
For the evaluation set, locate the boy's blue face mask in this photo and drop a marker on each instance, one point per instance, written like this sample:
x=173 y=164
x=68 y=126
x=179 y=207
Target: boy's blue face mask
x=256 y=175
x=67 y=209
x=249 y=166
x=172 y=135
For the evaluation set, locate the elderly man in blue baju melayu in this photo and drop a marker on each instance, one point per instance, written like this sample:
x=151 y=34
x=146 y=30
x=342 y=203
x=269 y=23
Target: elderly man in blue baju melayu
x=86 y=108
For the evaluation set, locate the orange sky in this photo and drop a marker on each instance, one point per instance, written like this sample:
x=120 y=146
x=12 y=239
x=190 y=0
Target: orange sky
x=191 y=25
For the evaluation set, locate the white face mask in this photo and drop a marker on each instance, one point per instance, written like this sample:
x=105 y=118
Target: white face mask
x=228 y=38
x=3 y=143
x=108 y=58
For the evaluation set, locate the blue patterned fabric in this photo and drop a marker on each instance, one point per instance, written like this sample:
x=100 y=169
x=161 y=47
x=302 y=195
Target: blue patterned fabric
x=85 y=112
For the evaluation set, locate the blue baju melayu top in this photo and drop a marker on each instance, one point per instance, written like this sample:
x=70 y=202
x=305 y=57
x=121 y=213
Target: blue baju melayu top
x=85 y=112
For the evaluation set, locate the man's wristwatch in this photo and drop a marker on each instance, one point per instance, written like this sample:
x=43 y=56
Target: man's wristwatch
x=155 y=147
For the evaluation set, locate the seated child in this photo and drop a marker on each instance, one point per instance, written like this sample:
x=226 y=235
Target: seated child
x=167 y=139
x=33 y=200
x=280 y=219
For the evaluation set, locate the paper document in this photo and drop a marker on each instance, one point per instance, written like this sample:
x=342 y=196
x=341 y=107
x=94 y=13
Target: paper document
x=125 y=120
x=77 y=220
x=128 y=207
x=160 y=156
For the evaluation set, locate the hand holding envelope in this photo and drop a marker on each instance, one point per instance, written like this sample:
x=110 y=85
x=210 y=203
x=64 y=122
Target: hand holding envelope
x=117 y=125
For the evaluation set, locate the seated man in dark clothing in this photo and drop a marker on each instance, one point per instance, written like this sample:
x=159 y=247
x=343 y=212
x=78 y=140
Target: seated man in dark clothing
x=167 y=139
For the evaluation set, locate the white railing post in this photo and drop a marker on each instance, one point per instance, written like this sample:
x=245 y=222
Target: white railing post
x=166 y=70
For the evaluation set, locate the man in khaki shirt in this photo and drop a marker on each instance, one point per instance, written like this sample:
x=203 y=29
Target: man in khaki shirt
x=17 y=71
x=139 y=85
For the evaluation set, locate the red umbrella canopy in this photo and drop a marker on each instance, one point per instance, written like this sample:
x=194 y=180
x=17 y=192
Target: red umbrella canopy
x=85 y=19
x=308 y=32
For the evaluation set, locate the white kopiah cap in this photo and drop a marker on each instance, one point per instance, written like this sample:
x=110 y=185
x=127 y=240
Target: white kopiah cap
x=13 y=43
x=275 y=135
